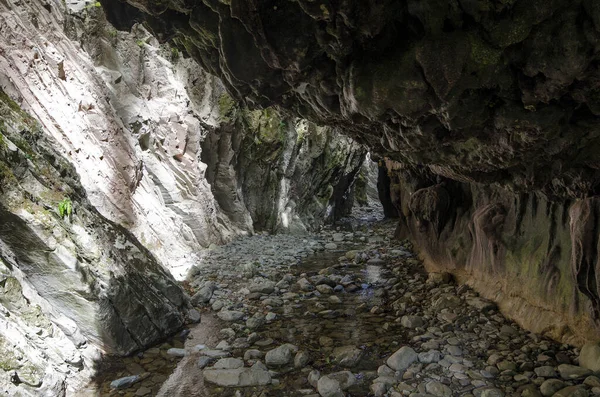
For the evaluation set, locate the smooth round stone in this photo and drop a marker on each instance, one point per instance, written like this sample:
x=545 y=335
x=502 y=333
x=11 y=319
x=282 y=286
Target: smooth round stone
x=551 y=386
x=546 y=371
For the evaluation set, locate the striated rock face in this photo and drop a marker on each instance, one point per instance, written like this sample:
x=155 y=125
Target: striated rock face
x=74 y=284
x=146 y=130
x=129 y=161
x=537 y=258
x=278 y=173
x=488 y=113
x=475 y=91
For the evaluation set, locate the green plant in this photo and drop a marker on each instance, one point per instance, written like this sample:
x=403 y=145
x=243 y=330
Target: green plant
x=93 y=5
x=174 y=53
x=65 y=207
x=140 y=43
x=282 y=127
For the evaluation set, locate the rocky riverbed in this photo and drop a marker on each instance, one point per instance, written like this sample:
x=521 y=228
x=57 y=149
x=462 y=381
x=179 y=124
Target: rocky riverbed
x=347 y=312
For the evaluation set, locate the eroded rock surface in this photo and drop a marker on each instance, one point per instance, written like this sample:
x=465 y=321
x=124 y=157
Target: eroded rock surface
x=475 y=91
x=489 y=112
x=74 y=284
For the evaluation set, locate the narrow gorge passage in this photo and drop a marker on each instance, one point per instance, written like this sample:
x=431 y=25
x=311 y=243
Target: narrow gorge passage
x=346 y=312
x=192 y=196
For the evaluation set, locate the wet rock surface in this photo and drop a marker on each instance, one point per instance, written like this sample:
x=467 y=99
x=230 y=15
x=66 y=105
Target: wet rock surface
x=362 y=343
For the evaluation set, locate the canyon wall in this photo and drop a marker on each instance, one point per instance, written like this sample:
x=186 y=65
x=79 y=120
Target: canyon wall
x=74 y=284
x=536 y=258
x=488 y=111
x=120 y=160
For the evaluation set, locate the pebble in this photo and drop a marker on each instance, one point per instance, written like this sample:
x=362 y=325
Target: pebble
x=280 y=356
x=123 y=383
x=448 y=340
x=402 y=358
x=568 y=371
x=176 y=352
x=230 y=315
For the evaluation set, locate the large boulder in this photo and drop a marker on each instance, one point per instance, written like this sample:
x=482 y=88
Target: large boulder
x=589 y=357
x=281 y=356
x=402 y=358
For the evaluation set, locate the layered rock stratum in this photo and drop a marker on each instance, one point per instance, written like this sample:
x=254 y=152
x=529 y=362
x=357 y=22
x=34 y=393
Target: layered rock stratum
x=487 y=111
x=120 y=160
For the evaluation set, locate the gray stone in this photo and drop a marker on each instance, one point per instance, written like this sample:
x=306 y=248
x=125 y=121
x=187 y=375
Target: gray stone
x=506 y=365
x=384 y=370
x=438 y=389
x=214 y=353
x=491 y=392
x=123 y=383
x=176 y=352
x=568 y=371
x=481 y=304
x=252 y=354
x=142 y=391
x=301 y=359
x=347 y=356
x=230 y=315
x=551 y=386
x=204 y=361
x=412 y=322
x=313 y=378
x=193 y=316
x=305 y=285
x=332 y=385
x=379 y=389
x=331 y=246
x=273 y=302
x=324 y=289
x=280 y=356
x=328 y=387
x=589 y=357
x=334 y=299
x=223 y=345
x=263 y=287
x=270 y=317
x=239 y=377
x=546 y=371
x=337 y=237
x=592 y=381
x=531 y=391
x=508 y=330
x=572 y=391
x=387 y=380
x=402 y=358
x=454 y=351
x=204 y=294
x=228 y=363
x=255 y=321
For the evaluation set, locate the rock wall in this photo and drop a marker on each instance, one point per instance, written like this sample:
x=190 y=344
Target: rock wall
x=277 y=173
x=496 y=100
x=129 y=161
x=537 y=258
x=477 y=91
x=74 y=284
